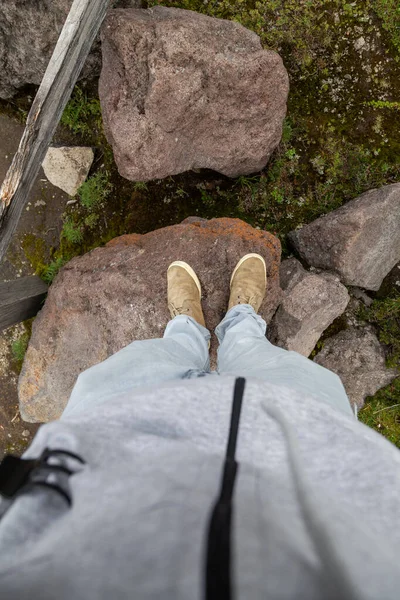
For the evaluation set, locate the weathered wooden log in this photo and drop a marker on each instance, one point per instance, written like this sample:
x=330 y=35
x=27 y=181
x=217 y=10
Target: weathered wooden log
x=20 y=299
x=73 y=46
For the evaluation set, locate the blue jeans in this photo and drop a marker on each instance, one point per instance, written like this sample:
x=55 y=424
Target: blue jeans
x=183 y=353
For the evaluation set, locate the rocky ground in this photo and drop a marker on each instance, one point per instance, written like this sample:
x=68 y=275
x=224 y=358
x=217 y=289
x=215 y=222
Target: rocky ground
x=339 y=140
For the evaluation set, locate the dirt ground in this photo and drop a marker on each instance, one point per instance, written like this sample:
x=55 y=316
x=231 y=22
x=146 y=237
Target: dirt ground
x=42 y=214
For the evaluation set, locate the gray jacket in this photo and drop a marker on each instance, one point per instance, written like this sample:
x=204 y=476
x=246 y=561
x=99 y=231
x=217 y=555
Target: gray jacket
x=315 y=505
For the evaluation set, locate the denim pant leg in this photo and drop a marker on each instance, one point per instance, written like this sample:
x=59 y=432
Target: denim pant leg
x=181 y=353
x=244 y=350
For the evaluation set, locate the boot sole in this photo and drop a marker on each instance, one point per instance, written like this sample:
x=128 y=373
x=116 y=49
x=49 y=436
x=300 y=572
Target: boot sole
x=188 y=269
x=242 y=260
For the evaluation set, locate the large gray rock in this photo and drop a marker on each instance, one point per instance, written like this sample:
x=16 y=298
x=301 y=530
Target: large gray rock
x=29 y=31
x=310 y=304
x=104 y=300
x=358 y=358
x=180 y=90
x=360 y=241
x=67 y=167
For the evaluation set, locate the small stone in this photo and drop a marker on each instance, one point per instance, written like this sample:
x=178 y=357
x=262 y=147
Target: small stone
x=359 y=43
x=68 y=167
x=26 y=433
x=361 y=295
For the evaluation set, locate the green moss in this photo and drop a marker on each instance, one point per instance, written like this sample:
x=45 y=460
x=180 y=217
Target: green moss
x=382 y=412
x=389 y=13
x=384 y=104
x=91 y=220
x=34 y=249
x=385 y=315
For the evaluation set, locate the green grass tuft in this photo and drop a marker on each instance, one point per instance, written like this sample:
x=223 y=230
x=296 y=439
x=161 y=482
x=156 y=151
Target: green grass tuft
x=19 y=347
x=91 y=220
x=95 y=190
x=140 y=186
x=50 y=271
x=72 y=232
x=82 y=114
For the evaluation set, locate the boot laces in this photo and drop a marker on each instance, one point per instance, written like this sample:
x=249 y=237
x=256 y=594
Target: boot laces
x=243 y=299
x=178 y=310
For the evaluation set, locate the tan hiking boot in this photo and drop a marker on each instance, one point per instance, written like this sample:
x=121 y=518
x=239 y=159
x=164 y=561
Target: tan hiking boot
x=249 y=282
x=184 y=292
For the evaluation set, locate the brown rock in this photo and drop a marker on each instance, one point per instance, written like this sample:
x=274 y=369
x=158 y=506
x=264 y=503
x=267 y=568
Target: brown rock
x=180 y=90
x=104 y=300
x=29 y=31
x=360 y=241
x=358 y=358
x=310 y=304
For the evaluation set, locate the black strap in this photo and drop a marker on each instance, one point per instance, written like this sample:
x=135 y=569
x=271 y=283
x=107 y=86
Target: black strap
x=19 y=475
x=235 y=417
x=218 y=559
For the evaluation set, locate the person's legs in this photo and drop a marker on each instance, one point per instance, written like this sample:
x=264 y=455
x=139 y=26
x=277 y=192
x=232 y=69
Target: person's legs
x=245 y=351
x=181 y=353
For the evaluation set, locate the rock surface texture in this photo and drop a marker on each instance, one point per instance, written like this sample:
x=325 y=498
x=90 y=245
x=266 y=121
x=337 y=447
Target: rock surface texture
x=358 y=358
x=360 y=241
x=310 y=304
x=180 y=90
x=104 y=300
x=29 y=31
x=68 y=167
